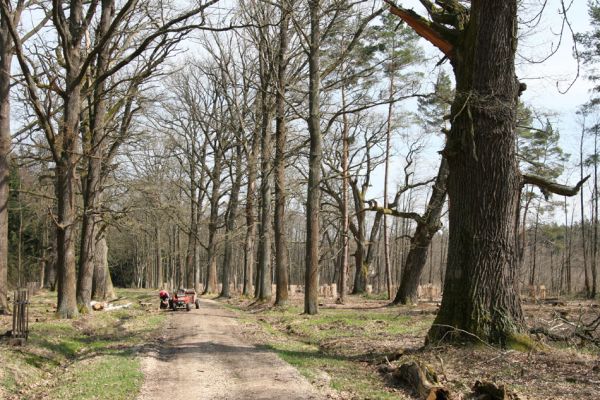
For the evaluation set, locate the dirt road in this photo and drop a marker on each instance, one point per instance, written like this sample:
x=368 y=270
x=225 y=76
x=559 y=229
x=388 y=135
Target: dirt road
x=203 y=356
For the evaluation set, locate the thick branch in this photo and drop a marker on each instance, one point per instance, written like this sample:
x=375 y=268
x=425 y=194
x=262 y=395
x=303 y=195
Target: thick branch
x=399 y=214
x=548 y=187
x=434 y=33
x=373 y=206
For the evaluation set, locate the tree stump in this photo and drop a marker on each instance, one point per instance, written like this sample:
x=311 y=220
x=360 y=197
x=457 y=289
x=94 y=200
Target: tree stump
x=422 y=380
x=490 y=391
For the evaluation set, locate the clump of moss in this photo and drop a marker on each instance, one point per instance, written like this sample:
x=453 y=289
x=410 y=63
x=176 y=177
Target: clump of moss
x=522 y=342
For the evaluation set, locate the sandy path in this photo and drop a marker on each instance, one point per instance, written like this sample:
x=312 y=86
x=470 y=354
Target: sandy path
x=204 y=356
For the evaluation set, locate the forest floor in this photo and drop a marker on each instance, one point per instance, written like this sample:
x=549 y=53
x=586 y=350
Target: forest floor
x=229 y=350
x=352 y=348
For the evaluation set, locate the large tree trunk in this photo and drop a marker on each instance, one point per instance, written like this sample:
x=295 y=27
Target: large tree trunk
x=281 y=255
x=313 y=197
x=5 y=141
x=102 y=288
x=480 y=291
x=421 y=240
x=197 y=192
x=95 y=150
x=66 y=162
x=263 y=289
x=361 y=268
x=65 y=231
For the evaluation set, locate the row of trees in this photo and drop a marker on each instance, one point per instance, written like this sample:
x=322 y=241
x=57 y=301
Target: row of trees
x=237 y=166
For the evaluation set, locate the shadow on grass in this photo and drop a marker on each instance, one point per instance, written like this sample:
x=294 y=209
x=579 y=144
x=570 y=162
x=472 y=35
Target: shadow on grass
x=306 y=354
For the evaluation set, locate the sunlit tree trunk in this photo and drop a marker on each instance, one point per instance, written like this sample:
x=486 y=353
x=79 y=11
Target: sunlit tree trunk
x=313 y=198
x=281 y=255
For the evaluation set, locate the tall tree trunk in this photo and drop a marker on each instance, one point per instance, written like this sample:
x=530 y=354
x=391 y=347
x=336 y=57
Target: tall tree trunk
x=230 y=222
x=249 y=243
x=5 y=142
x=583 y=246
x=281 y=255
x=427 y=226
x=388 y=138
x=595 y=238
x=313 y=197
x=343 y=289
x=102 y=288
x=159 y=260
x=65 y=230
x=190 y=255
x=95 y=149
x=211 y=273
x=51 y=264
x=372 y=246
x=67 y=159
x=264 y=231
x=532 y=275
x=360 y=238
x=480 y=290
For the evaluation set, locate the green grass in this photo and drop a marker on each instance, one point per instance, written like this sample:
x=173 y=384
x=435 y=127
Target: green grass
x=109 y=377
x=342 y=372
x=92 y=357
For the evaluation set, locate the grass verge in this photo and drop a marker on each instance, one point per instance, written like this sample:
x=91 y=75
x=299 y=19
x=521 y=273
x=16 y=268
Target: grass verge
x=338 y=348
x=92 y=357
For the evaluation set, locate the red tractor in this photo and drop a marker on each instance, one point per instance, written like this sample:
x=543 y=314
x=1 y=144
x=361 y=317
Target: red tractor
x=184 y=298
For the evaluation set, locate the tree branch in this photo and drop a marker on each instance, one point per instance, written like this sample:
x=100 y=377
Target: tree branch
x=548 y=187
x=434 y=33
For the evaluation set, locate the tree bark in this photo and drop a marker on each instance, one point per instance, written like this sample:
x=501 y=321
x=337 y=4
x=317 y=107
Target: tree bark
x=583 y=246
x=343 y=279
x=102 y=287
x=230 y=222
x=281 y=255
x=66 y=166
x=361 y=269
x=313 y=198
x=158 y=256
x=593 y=266
x=211 y=273
x=5 y=142
x=190 y=256
x=480 y=290
x=264 y=230
x=249 y=244
x=92 y=187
